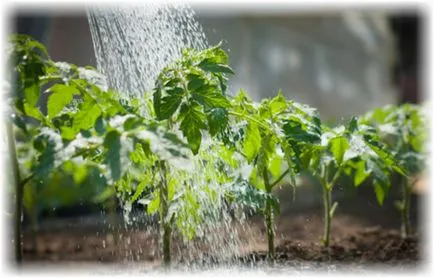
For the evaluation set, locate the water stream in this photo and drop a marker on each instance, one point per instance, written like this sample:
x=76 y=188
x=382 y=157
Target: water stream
x=132 y=45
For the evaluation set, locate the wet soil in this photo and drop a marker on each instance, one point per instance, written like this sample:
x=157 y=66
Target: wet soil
x=361 y=234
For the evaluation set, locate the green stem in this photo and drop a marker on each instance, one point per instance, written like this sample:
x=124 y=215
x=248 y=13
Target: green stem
x=405 y=212
x=244 y=116
x=327 y=214
x=18 y=193
x=164 y=222
x=279 y=179
x=269 y=218
x=328 y=210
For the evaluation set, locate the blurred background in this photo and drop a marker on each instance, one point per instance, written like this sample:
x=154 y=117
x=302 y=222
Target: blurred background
x=343 y=63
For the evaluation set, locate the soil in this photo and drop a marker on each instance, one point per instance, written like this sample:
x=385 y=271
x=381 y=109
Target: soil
x=361 y=235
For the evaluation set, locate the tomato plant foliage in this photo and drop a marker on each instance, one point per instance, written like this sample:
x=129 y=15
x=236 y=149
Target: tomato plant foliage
x=187 y=147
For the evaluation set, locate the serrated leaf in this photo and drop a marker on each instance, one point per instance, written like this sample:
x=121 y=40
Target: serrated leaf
x=61 y=96
x=169 y=103
x=195 y=82
x=212 y=99
x=211 y=66
x=338 y=147
x=191 y=125
x=217 y=120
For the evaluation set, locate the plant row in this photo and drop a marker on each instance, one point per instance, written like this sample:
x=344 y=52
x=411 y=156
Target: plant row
x=187 y=148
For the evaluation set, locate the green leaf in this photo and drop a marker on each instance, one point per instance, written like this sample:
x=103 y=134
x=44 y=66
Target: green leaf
x=353 y=126
x=252 y=141
x=100 y=126
x=67 y=133
x=85 y=118
x=154 y=205
x=170 y=103
x=47 y=158
x=377 y=172
x=192 y=123
x=112 y=143
x=275 y=165
x=62 y=95
x=33 y=112
x=217 y=120
x=360 y=174
x=380 y=189
x=211 y=66
x=139 y=190
x=338 y=146
x=80 y=173
x=19 y=122
x=195 y=82
x=277 y=104
x=211 y=98
x=31 y=94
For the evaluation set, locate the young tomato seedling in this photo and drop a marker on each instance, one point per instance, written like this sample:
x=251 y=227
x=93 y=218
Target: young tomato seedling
x=190 y=95
x=354 y=150
x=265 y=142
x=403 y=129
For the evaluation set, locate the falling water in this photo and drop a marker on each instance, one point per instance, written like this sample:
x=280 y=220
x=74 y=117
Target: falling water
x=132 y=45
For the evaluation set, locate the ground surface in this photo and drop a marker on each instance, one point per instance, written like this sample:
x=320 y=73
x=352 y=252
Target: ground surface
x=361 y=235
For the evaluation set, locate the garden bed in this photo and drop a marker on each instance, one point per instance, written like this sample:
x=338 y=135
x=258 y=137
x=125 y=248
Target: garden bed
x=361 y=236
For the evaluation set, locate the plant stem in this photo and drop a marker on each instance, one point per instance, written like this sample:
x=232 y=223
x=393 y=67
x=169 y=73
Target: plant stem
x=244 y=116
x=18 y=193
x=279 y=178
x=269 y=219
x=405 y=212
x=113 y=219
x=327 y=214
x=164 y=205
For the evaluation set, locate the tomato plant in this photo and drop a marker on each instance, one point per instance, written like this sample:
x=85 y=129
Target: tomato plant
x=404 y=130
x=186 y=148
x=264 y=134
x=190 y=96
x=84 y=129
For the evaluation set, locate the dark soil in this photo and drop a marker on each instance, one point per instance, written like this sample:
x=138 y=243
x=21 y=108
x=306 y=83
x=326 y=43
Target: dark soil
x=361 y=234
x=369 y=245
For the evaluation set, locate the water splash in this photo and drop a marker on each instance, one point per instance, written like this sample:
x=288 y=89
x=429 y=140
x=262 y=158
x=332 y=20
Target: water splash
x=134 y=43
